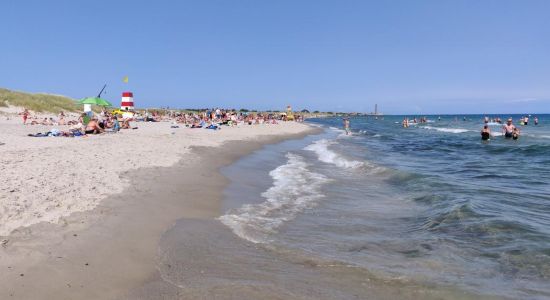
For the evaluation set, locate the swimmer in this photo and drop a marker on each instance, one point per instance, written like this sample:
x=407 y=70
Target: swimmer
x=485 y=133
x=515 y=133
x=508 y=129
x=405 y=122
x=536 y=120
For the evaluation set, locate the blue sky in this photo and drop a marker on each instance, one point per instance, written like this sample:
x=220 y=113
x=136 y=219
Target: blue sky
x=408 y=56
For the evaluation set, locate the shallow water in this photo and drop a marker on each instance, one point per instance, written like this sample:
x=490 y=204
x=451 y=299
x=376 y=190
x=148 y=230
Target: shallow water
x=431 y=204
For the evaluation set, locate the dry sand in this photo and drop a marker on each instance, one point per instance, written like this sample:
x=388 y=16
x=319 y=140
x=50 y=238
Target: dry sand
x=45 y=179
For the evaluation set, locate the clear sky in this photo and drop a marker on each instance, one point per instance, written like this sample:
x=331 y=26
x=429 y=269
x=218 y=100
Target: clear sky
x=441 y=56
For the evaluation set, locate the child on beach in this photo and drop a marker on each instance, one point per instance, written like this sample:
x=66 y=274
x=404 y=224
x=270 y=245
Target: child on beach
x=25 y=115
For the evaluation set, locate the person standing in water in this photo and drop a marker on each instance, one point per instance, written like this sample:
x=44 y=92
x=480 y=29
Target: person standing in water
x=515 y=133
x=346 y=126
x=536 y=120
x=508 y=129
x=485 y=133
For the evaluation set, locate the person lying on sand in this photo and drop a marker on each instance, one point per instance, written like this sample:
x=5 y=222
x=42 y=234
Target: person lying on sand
x=125 y=124
x=93 y=127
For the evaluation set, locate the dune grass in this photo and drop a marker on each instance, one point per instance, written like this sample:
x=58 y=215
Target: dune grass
x=38 y=102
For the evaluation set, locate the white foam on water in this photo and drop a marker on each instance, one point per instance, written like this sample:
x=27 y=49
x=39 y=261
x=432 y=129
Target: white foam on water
x=449 y=130
x=295 y=188
x=537 y=136
x=326 y=155
x=345 y=135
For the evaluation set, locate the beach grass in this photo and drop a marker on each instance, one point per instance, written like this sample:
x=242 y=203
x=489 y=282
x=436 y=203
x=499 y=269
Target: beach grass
x=37 y=102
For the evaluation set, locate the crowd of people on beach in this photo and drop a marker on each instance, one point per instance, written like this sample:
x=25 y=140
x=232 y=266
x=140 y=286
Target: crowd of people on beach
x=106 y=121
x=215 y=118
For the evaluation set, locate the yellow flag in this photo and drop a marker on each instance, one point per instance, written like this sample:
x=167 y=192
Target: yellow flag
x=125 y=79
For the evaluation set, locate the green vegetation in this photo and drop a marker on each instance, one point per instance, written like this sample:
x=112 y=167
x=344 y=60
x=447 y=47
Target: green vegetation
x=38 y=102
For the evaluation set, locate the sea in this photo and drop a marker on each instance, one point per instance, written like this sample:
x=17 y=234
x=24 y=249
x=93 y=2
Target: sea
x=431 y=205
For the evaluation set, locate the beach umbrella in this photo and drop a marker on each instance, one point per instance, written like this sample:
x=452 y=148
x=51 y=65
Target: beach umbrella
x=95 y=101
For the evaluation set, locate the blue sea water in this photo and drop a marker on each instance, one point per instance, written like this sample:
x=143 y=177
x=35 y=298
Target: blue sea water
x=431 y=203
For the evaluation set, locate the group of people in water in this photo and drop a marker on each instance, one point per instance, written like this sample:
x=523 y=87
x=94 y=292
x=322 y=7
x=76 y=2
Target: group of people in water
x=509 y=130
x=406 y=123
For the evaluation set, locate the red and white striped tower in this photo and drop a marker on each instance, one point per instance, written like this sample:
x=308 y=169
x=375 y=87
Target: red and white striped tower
x=127 y=102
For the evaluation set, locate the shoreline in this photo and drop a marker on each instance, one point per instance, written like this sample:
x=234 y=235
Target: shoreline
x=110 y=250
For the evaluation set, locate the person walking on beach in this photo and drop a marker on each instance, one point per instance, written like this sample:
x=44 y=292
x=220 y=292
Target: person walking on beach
x=25 y=116
x=346 y=126
x=508 y=129
x=485 y=133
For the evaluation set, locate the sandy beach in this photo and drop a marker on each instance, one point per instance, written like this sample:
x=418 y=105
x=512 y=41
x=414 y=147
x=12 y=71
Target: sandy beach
x=46 y=179
x=81 y=217
x=136 y=216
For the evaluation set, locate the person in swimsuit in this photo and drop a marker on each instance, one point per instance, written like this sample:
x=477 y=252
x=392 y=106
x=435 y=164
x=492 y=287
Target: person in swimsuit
x=25 y=116
x=93 y=127
x=508 y=129
x=346 y=126
x=536 y=120
x=405 y=122
x=485 y=133
x=515 y=133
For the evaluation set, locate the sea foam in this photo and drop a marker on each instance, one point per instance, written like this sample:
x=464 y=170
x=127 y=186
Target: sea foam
x=295 y=188
x=321 y=148
x=449 y=130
